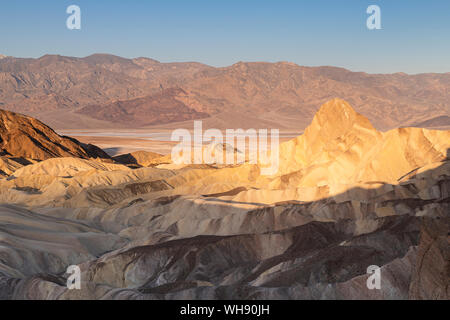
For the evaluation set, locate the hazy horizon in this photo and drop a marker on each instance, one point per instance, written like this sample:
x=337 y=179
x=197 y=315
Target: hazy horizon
x=225 y=66
x=320 y=33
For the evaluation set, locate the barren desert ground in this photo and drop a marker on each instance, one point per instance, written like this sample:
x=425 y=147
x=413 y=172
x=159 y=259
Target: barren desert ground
x=225 y=159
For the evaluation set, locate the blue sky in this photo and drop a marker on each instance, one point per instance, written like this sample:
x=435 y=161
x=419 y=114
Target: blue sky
x=415 y=35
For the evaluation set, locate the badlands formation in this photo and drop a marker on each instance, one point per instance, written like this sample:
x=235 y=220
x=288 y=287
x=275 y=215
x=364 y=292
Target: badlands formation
x=346 y=197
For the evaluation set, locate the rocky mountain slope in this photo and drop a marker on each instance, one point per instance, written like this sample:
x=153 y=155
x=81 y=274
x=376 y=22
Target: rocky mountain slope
x=25 y=137
x=275 y=95
x=164 y=107
x=346 y=197
x=440 y=121
x=342 y=147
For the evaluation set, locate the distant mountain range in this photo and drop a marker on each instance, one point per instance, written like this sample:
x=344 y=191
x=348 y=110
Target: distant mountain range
x=103 y=91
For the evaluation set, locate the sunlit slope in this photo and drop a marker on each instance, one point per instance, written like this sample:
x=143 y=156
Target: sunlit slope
x=342 y=147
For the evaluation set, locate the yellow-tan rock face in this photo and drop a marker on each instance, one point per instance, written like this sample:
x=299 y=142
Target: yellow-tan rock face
x=342 y=147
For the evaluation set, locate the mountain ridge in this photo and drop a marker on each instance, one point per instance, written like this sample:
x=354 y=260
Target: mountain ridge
x=284 y=93
x=341 y=146
x=25 y=137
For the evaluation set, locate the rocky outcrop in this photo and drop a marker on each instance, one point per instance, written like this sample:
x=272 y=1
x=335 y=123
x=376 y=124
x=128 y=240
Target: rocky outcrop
x=26 y=137
x=141 y=159
x=431 y=276
x=342 y=147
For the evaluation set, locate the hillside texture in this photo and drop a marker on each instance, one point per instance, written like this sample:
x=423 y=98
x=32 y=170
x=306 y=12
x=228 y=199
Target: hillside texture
x=269 y=95
x=346 y=197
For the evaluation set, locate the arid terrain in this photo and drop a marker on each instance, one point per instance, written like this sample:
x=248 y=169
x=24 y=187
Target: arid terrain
x=346 y=196
x=115 y=103
x=109 y=92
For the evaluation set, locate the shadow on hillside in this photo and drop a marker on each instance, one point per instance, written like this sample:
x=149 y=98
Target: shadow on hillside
x=331 y=243
x=295 y=250
x=112 y=151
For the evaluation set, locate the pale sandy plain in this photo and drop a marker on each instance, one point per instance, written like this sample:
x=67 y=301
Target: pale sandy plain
x=116 y=142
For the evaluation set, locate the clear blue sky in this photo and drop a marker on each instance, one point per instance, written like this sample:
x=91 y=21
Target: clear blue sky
x=415 y=37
